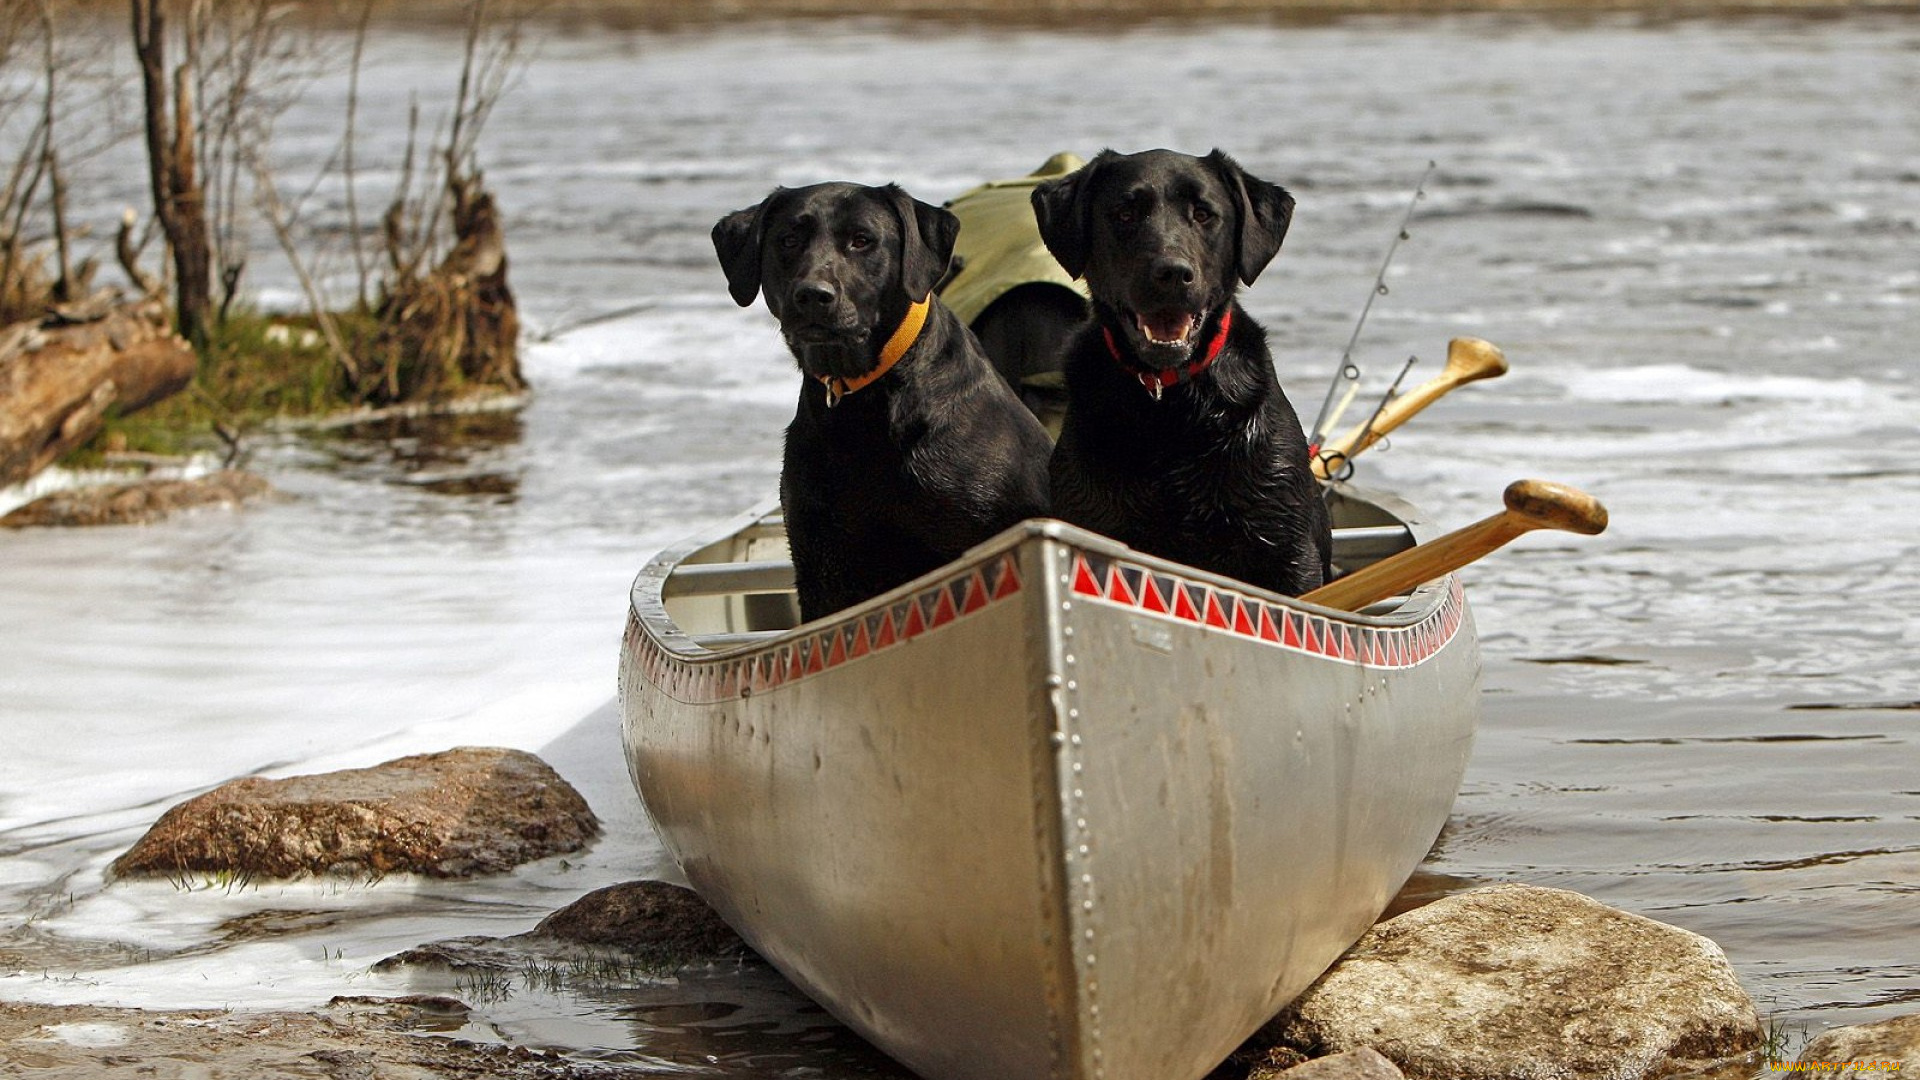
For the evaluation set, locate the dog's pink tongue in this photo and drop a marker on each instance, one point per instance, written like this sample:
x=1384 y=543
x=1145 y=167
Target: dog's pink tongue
x=1167 y=328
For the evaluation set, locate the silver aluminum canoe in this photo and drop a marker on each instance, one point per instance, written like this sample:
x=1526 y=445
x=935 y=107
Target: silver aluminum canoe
x=1058 y=810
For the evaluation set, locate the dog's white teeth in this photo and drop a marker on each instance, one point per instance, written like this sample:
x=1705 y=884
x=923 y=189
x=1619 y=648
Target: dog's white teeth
x=1166 y=331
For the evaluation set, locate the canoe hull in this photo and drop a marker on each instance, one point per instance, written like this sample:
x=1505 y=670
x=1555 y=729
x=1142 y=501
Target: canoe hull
x=1059 y=811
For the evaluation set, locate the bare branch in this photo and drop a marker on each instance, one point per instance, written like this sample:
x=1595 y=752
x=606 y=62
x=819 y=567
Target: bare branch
x=360 y=263
x=275 y=212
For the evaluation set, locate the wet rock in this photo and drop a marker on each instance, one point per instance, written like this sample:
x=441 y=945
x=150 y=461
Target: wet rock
x=137 y=503
x=1259 y=1058
x=350 y=1039
x=1892 y=1040
x=472 y=810
x=1365 y=1063
x=1515 y=980
x=640 y=929
x=650 y=917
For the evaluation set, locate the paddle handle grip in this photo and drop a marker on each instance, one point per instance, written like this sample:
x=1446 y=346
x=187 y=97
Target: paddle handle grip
x=1468 y=360
x=1530 y=505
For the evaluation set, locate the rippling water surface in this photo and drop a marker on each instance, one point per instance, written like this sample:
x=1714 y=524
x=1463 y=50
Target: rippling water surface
x=1695 y=241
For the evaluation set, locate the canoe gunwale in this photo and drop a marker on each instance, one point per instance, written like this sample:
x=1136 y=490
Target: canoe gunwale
x=648 y=606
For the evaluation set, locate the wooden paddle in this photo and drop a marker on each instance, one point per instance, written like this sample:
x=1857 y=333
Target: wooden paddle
x=1468 y=360
x=1531 y=504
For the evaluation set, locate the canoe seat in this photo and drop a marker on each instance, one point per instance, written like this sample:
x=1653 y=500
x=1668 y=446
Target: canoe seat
x=714 y=579
x=1359 y=546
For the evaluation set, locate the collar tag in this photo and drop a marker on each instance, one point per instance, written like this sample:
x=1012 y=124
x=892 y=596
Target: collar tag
x=1156 y=382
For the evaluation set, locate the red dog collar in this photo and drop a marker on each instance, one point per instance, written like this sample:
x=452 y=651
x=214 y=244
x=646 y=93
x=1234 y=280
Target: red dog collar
x=1157 y=382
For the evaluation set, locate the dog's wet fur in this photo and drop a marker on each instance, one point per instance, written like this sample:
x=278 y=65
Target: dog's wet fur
x=928 y=460
x=1213 y=473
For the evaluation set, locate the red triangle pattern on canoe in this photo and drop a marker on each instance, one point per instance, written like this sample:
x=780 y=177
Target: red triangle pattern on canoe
x=1216 y=618
x=1183 y=605
x=1217 y=611
x=1150 y=598
x=1083 y=582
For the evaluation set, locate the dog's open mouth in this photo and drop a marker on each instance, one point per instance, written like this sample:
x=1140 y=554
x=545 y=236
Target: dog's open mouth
x=1168 y=328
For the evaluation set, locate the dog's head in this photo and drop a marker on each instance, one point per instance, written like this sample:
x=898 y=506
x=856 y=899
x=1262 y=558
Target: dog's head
x=839 y=264
x=1162 y=239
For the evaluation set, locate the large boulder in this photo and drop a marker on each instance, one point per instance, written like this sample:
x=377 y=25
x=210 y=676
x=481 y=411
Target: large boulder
x=1519 y=981
x=1887 y=1041
x=472 y=810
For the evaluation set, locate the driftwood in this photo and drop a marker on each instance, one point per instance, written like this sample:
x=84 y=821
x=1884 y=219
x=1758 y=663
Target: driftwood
x=59 y=381
x=137 y=503
x=455 y=326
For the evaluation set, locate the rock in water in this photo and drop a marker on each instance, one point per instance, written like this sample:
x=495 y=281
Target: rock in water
x=639 y=929
x=136 y=504
x=1886 y=1041
x=472 y=810
x=669 y=923
x=1516 y=980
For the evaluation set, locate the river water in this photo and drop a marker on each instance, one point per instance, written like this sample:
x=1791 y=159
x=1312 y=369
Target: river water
x=1694 y=239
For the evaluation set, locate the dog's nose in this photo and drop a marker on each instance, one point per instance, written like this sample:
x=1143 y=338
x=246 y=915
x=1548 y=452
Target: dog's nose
x=817 y=295
x=1173 y=272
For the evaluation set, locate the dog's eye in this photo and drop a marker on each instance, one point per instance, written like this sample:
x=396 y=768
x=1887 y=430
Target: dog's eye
x=1126 y=215
x=859 y=241
x=1202 y=215
x=790 y=241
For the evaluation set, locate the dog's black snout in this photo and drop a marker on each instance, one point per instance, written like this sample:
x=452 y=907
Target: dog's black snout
x=1173 y=272
x=814 y=295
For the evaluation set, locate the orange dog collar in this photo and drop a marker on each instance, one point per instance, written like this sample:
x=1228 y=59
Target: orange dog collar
x=896 y=347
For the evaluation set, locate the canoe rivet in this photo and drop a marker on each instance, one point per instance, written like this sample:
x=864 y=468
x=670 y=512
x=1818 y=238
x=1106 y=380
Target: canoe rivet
x=1086 y=879
x=1090 y=962
x=1072 y=685
x=1070 y=658
x=1076 y=766
x=1076 y=740
x=1086 y=905
x=1080 y=823
x=1066 y=605
x=1059 y=737
x=1053 y=680
x=1078 y=794
x=1066 y=631
x=1074 y=714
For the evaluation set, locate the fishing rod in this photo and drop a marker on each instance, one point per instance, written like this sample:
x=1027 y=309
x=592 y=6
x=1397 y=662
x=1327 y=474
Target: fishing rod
x=1347 y=376
x=1336 y=463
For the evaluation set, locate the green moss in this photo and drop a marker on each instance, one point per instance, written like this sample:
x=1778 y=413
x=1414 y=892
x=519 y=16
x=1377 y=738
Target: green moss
x=254 y=368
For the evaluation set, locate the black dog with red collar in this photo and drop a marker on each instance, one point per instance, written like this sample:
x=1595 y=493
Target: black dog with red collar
x=1178 y=439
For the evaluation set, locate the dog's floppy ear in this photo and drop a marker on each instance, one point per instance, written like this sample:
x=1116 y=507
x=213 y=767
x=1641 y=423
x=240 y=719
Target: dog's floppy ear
x=736 y=239
x=927 y=233
x=1265 y=212
x=1060 y=208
